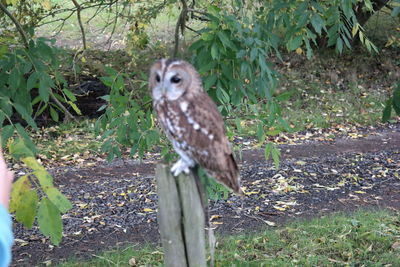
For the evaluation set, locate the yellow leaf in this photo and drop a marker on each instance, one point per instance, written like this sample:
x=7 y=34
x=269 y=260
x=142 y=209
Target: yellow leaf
x=252 y=193
x=300 y=162
x=213 y=217
x=354 y=30
x=279 y=208
x=359 y=192
x=12 y=2
x=32 y=163
x=46 y=4
x=147 y=210
x=299 y=51
x=21 y=186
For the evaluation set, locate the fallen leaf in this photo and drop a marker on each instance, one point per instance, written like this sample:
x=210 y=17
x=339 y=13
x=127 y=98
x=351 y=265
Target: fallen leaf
x=132 y=262
x=396 y=245
x=359 y=192
x=270 y=223
x=147 y=210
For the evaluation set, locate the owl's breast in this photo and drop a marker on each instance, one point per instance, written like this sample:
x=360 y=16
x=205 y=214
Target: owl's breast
x=170 y=119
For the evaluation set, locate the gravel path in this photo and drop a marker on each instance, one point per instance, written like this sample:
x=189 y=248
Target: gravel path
x=115 y=204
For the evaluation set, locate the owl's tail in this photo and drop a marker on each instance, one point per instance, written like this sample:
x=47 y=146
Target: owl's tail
x=231 y=176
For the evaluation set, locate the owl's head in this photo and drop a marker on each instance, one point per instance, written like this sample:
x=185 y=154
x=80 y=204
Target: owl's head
x=172 y=78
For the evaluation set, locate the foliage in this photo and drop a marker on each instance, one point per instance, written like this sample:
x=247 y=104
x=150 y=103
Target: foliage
x=392 y=103
x=22 y=69
x=39 y=200
x=126 y=123
x=366 y=237
x=304 y=24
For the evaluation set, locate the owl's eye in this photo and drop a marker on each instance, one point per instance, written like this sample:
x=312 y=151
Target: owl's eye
x=175 y=79
x=158 y=79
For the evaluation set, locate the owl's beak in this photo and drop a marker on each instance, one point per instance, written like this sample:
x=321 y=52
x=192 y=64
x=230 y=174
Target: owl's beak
x=163 y=90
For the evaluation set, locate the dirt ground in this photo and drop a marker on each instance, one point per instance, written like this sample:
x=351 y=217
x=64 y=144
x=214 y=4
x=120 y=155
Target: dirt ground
x=115 y=204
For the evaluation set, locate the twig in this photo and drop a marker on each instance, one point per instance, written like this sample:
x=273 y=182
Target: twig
x=191 y=29
x=17 y=24
x=78 y=13
x=60 y=105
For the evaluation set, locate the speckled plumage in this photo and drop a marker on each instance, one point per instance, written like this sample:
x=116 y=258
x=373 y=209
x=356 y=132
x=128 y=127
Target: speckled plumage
x=192 y=122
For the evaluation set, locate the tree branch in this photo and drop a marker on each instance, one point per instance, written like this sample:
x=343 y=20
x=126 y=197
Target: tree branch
x=78 y=13
x=16 y=23
x=180 y=25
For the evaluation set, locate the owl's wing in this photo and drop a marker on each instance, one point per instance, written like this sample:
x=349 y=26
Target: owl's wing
x=206 y=139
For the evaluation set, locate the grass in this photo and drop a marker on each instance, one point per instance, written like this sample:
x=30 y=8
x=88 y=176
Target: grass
x=313 y=106
x=365 y=238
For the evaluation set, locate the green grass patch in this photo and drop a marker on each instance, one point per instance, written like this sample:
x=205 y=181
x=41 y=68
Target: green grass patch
x=68 y=141
x=365 y=238
x=315 y=106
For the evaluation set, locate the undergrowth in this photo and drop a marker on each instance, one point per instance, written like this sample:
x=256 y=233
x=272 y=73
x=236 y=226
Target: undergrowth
x=365 y=238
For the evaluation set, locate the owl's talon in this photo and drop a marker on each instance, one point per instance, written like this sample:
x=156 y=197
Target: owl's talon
x=179 y=167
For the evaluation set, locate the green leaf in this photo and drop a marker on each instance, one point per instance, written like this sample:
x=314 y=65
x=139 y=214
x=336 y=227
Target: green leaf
x=238 y=124
x=54 y=114
x=70 y=95
x=19 y=188
x=49 y=220
x=318 y=23
x=19 y=149
x=339 y=45
x=395 y=11
x=27 y=67
x=45 y=179
x=58 y=199
x=253 y=54
x=32 y=81
x=3 y=50
x=26 y=139
x=294 y=43
x=25 y=115
x=214 y=50
x=387 y=112
x=260 y=133
x=14 y=79
x=396 y=99
x=210 y=81
x=6 y=132
x=207 y=36
x=267 y=151
x=75 y=107
x=275 y=153
x=225 y=40
x=26 y=211
x=45 y=85
x=284 y=96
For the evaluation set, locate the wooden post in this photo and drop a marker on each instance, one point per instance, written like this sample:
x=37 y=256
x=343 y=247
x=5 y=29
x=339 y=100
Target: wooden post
x=180 y=219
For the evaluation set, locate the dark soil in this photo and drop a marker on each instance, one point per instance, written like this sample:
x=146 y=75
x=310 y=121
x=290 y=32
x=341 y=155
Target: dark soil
x=115 y=204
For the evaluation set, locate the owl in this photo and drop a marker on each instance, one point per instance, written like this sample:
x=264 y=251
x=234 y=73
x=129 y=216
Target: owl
x=192 y=122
